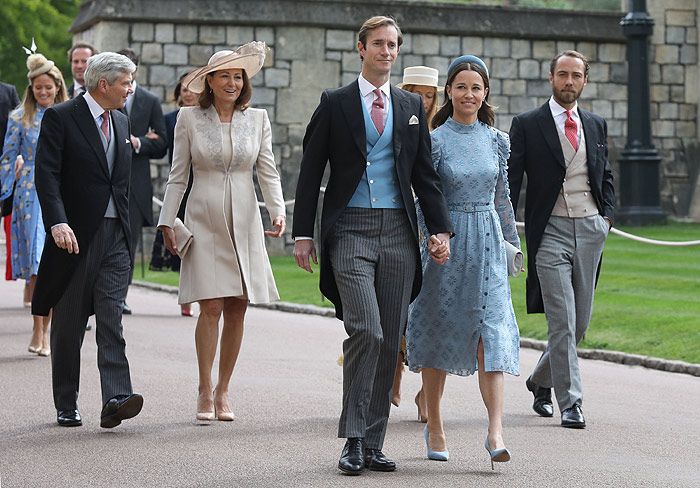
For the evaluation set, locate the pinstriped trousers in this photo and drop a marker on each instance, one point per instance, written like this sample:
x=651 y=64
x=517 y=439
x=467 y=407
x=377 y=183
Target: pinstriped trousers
x=372 y=253
x=98 y=286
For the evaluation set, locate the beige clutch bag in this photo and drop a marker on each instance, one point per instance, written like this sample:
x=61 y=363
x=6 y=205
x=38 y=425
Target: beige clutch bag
x=183 y=237
x=514 y=259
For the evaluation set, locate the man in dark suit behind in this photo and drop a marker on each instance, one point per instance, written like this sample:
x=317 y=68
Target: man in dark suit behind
x=375 y=138
x=569 y=207
x=78 y=55
x=83 y=162
x=149 y=141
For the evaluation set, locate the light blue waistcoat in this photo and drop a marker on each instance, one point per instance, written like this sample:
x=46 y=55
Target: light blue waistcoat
x=379 y=186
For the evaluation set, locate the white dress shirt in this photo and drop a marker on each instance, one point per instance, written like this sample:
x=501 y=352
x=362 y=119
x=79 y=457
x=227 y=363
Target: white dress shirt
x=559 y=115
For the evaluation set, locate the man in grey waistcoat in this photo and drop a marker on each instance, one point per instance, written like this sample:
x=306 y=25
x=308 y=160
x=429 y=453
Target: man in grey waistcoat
x=375 y=139
x=83 y=161
x=569 y=207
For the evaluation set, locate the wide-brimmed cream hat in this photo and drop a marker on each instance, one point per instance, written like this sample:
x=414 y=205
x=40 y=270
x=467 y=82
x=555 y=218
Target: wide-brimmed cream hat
x=249 y=57
x=419 y=75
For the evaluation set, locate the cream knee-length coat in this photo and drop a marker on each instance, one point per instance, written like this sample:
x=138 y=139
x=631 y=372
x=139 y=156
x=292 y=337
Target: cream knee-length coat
x=222 y=202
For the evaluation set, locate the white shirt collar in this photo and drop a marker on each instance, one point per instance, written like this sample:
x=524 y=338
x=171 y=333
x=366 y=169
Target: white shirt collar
x=366 y=87
x=558 y=109
x=95 y=109
x=77 y=86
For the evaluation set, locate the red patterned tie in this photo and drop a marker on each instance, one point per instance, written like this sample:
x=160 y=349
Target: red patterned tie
x=105 y=125
x=571 y=131
x=377 y=113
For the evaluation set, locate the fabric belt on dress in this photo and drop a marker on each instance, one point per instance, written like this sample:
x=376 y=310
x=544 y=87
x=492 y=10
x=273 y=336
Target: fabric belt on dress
x=471 y=207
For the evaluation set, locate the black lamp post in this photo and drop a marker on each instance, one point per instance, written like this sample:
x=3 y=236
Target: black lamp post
x=639 y=161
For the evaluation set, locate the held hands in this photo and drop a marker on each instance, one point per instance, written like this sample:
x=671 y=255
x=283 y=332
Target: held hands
x=439 y=247
x=279 y=225
x=151 y=135
x=64 y=238
x=302 y=250
x=169 y=239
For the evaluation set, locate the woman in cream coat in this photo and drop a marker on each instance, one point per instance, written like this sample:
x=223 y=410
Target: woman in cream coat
x=226 y=265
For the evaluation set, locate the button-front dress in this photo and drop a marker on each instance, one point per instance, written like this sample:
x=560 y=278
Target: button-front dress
x=468 y=297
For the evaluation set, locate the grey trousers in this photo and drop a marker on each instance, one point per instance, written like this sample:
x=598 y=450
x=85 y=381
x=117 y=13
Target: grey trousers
x=372 y=253
x=98 y=286
x=567 y=261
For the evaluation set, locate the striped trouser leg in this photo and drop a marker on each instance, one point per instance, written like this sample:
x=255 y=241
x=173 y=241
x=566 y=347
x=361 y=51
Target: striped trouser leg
x=373 y=261
x=109 y=292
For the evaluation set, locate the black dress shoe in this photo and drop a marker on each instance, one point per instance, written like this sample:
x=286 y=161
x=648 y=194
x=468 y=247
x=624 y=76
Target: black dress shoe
x=543 y=399
x=375 y=460
x=68 y=418
x=126 y=310
x=572 y=417
x=119 y=408
x=352 y=459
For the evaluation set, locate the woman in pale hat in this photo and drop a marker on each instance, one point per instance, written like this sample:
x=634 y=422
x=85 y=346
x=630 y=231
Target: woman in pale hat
x=462 y=320
x=46 y=87
x=422 y=81
x=225 y=265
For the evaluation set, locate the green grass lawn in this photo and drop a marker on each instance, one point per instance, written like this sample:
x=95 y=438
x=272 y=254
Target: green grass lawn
x=647 y=301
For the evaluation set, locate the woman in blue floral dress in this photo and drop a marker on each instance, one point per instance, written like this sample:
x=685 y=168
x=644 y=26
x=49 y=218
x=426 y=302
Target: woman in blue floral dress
x=46 y=87
x=463 y=320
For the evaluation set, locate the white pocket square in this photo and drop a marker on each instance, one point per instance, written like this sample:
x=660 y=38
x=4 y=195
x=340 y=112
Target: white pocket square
x=127 y=141
x=413 y=120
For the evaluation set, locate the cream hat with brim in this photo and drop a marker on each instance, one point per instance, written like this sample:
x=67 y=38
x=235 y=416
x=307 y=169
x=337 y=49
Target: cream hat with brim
x=419 y=75
x=249 y=57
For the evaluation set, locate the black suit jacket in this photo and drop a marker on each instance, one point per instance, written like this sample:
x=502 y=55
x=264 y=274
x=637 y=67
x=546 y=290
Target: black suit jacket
x=535 y=150
x=145 y=114
x=8 y=102
x=74 y=185
x=336 y=136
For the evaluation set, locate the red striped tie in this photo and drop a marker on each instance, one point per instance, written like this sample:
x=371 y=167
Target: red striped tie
x=571 y=131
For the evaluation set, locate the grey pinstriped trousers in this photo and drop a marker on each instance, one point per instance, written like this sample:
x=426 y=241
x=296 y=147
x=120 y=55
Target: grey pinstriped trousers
x=372 y=253
x=567 y=261
x=98 y=286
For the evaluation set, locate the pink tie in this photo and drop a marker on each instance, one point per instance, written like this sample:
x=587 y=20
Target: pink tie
x=377 y=113
x=105 y=125
x=571 y=131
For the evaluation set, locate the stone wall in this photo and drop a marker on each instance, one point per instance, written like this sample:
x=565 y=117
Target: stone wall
x=313 y=48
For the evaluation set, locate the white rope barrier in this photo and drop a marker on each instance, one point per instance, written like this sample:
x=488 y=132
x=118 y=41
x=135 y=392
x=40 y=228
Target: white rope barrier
x=645 y=240
x=521 y=225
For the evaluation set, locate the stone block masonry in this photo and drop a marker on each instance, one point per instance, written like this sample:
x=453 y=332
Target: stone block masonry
x=314 y=48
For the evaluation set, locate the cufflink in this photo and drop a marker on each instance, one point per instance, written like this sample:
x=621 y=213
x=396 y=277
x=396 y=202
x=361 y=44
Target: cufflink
x=413 y=120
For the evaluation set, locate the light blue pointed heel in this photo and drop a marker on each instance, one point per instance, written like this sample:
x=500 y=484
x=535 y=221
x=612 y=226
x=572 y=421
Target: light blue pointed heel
x=434 y=455
x=497 y=455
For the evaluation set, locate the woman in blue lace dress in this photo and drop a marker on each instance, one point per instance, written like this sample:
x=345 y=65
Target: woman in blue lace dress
x=46 y=87
x=463 y=320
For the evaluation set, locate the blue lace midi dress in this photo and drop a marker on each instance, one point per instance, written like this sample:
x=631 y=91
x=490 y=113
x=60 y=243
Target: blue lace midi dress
x=468 y=297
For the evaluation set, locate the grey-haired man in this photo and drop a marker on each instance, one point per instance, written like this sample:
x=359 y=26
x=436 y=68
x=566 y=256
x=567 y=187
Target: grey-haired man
x=83 y=162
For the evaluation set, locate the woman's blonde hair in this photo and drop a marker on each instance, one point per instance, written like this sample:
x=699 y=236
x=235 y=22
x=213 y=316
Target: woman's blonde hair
x=429 y=114
x=29 y=103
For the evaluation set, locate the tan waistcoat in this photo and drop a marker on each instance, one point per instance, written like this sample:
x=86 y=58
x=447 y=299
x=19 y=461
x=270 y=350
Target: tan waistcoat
x=575 y=199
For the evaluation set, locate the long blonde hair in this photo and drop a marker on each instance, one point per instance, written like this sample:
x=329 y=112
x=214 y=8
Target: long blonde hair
x=29 y=101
